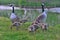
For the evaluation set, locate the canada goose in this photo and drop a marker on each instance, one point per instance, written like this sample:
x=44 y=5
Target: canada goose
x=42 y=17
x=16 y=21
x=40 y=20
x=14 y=18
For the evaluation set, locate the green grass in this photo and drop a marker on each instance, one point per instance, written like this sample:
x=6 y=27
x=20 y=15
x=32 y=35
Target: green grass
x=6 y=2
x=52 y=18
x=49 y=3
x=53 y=32
x=52 y=3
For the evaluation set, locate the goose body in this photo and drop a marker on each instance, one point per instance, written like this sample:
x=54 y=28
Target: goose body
x=42 y=17
x=40 y=20
x=13 y=16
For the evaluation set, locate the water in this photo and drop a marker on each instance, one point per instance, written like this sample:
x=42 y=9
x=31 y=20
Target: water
x=2 y=7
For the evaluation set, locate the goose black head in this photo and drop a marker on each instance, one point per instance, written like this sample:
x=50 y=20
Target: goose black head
x=11 y=5
x=42 y=7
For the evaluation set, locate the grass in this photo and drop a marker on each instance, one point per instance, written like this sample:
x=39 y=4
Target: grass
x=52 y=18
x=53 y=32
x=49 y=3
x=52 y=3
x=6 y=33
x=6 y=2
